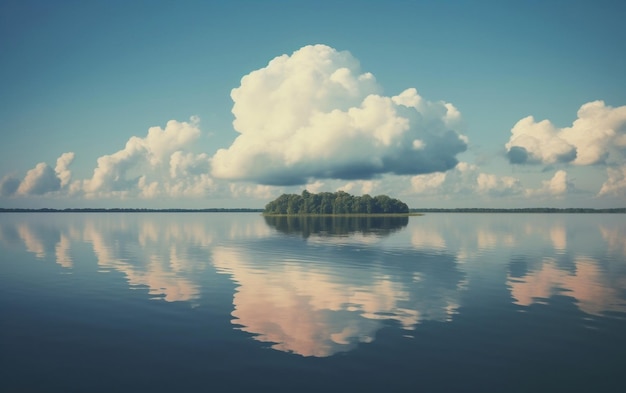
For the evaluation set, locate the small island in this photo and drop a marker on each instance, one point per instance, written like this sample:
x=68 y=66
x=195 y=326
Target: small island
x=335 y=203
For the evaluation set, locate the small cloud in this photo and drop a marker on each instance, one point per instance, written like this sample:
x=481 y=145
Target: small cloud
x=315 y=115
x=498 y=186
x=558 y=186
x=62 y=170
x=315 y=187
x=466 y=179
x=9 y=185
x=360 y=187
x=39 y=180
x=429 y=182
x=257 y=191
x=597 y=136
x=616 y=182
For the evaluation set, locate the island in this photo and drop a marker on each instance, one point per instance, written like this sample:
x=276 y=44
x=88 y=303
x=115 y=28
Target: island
x=334 y=203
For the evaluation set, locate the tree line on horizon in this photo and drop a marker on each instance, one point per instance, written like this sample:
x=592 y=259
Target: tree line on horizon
x=339 y=202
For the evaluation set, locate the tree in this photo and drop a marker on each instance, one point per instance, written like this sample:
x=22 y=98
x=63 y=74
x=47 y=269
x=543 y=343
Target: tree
x=339 y=202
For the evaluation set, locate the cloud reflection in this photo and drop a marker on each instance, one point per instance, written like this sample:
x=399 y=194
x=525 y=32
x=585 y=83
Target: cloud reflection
x=597 y=283
x=312 y=289
x=292 y=306
x=313 y=307
x=587 y=284
x=615 y=237
x=151 y=251
x=149 y=255
x=62 y=252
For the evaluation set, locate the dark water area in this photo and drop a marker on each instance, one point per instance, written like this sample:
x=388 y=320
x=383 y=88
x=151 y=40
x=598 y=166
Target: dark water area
x=161 y=302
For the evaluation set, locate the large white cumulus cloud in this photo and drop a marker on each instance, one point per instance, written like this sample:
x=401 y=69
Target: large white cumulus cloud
x=158 y=164
x=597 y=136
x=314 y=115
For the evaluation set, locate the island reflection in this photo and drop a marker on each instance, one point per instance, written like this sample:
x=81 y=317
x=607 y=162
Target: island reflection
x=337 y=225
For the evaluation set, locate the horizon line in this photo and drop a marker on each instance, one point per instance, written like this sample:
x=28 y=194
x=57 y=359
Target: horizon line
x=260 y=210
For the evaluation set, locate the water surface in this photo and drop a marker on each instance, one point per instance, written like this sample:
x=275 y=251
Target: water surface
x=235 y=301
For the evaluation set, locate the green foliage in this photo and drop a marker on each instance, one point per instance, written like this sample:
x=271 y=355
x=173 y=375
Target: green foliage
x=339 y=202
x=329 y=225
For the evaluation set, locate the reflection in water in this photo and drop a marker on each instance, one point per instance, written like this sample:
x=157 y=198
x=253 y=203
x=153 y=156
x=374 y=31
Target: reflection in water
x=313 y=308
x=62 y=252
x=32 y=242
x=587 y=284
x=615 y=238
x=597 y=284
x=149 y=258
x=337 y=225
x=148 y=253
x=425 y=238
x=344 y=278
x=558 y=236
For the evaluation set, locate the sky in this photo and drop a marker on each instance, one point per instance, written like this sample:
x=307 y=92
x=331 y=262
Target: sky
x=198 y=104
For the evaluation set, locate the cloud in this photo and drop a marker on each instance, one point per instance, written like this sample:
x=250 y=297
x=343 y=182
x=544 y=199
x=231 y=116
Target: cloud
x=39 y=180
x=558 y=186
x=9 y=185
x=315 y=187
x=498 y=186
x=616 y=182
x=155 y=165
x=257 y=191
x=361 y=187
x=465 y=179
x=597 y=136
x=185 y=164
x=315 y=115
x=425 y=183
x=62 y=170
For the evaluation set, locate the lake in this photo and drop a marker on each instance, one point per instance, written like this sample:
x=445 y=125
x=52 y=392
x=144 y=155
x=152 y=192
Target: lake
x=187 y=302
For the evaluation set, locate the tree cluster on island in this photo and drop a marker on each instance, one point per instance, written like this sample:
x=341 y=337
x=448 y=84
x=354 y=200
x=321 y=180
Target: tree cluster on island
x=339 y=202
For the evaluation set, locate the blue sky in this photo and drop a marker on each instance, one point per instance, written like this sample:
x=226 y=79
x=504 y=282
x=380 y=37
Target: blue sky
x=426 y=101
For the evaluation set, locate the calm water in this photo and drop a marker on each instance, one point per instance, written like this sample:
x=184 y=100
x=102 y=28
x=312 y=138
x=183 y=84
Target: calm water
x=237 y=302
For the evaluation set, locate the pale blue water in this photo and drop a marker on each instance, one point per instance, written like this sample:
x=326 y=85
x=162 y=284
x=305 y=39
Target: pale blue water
x=164 y=302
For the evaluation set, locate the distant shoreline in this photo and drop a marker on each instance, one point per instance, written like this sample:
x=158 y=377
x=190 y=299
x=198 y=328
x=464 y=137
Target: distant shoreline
x=522 y=210
x=412 y=212
x=130 y=210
